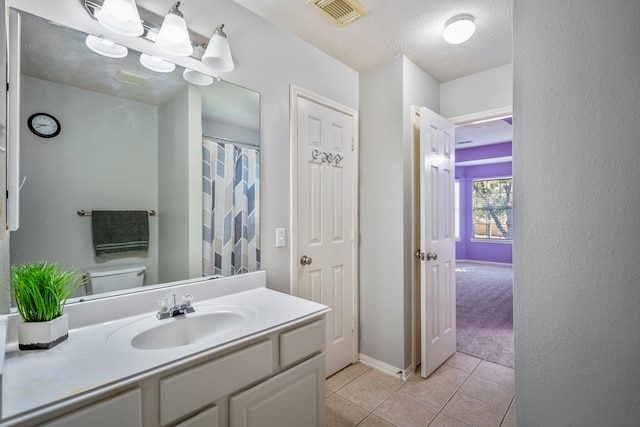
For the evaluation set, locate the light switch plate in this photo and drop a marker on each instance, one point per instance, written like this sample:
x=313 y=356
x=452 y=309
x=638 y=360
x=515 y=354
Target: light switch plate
x=281 y=238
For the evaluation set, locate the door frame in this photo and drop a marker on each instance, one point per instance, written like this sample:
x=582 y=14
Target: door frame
x=296 y=92
x=477 y=117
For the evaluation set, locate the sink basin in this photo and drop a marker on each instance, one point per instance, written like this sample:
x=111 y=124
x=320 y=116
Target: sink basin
x=206 y=323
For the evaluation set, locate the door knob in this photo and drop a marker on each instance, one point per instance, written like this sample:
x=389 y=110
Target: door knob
x=305 y=260
x=432 y=256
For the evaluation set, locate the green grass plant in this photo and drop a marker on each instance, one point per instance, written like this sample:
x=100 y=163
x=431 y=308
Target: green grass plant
x=41 y=290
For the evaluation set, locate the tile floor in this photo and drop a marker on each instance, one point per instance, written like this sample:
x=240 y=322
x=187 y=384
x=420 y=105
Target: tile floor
x=463 y=392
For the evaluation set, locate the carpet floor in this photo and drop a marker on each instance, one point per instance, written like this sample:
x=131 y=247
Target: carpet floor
x=484 y=316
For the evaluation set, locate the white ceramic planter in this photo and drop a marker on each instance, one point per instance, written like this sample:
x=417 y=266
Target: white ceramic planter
x=43 y=335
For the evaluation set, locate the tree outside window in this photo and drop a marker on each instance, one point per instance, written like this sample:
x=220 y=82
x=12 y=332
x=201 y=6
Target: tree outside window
x=493 y=209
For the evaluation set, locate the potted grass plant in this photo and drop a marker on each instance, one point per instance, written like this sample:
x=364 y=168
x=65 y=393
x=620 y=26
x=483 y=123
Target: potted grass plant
x=40 y=291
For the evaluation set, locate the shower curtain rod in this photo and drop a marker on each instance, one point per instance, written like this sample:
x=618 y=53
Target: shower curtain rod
x=232 y=141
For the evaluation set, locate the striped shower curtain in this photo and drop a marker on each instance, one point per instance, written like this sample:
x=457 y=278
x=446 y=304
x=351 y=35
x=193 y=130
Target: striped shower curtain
x=231 y=201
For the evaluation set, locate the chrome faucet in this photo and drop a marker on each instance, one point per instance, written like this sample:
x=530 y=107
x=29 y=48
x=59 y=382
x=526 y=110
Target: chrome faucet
x=167 y=308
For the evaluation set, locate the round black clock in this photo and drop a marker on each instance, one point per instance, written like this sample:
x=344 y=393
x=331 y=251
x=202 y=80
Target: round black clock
x=44 y=125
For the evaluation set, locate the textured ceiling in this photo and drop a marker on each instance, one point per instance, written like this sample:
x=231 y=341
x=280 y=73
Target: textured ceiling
x=401 y=27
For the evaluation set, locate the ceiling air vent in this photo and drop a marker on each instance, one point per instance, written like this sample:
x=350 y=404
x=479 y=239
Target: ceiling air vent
x=131 y=78
x=342 y=12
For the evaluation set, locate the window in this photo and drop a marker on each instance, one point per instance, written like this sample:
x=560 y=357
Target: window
x=493 y=209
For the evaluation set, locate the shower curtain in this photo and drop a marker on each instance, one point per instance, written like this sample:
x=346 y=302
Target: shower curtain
x=231 y=199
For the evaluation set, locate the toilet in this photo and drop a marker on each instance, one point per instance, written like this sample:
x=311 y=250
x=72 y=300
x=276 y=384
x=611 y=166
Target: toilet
x=114 y=278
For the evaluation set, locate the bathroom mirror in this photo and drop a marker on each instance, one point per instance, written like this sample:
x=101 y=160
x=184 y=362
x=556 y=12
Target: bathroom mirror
x=133 y=139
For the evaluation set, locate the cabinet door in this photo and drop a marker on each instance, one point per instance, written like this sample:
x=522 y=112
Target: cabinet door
x=293 y=398
x=122 y=410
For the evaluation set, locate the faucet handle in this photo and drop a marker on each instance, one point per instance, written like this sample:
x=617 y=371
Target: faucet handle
x=163 y=305
x=187 y=300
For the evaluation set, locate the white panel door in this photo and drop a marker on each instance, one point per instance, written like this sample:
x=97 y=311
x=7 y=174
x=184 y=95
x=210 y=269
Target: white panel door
x=437 y=241
x=325 y=223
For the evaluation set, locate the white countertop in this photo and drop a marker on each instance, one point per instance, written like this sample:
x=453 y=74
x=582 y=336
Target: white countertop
x=86 y=361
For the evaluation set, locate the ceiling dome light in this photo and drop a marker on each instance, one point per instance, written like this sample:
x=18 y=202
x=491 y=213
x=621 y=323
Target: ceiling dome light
x=459 y=29
x=105 y=47
x=121 y=16
x=174 y=35
x=154 y=63
x=197 y=78
x=217 y=56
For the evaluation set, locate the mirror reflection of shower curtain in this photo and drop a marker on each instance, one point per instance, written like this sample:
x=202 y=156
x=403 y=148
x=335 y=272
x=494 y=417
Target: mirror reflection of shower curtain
x=231 y=215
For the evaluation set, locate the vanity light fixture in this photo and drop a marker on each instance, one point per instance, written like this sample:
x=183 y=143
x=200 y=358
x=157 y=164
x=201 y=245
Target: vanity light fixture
x=197 y=78
x=157 y=64
x=174 y=36
x=459 y=29
x=120 y=16
x=105 y=47
x=218 y=53
x=171 y=36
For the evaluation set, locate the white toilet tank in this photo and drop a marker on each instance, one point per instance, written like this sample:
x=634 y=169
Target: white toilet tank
x=114 y=278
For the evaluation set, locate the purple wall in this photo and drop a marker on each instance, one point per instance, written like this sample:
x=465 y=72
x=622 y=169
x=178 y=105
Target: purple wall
x=465 y=248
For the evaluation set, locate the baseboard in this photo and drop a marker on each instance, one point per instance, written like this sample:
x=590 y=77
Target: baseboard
x=473 y=261
x=401 y=374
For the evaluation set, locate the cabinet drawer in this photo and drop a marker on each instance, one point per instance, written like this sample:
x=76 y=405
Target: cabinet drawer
x=195 y=388
x=122 y=410
x=301 y=342
x=206 y=418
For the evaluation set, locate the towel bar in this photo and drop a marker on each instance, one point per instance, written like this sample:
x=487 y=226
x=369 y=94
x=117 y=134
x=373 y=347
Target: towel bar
x=82 y=212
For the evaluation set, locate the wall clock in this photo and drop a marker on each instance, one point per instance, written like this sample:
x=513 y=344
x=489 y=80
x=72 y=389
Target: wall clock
x=44 y=125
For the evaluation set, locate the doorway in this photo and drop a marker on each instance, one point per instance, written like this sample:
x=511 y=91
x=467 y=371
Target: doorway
x=484 y=240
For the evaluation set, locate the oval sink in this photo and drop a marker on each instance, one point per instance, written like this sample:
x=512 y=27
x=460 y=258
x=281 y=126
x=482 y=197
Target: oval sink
x=205 y=323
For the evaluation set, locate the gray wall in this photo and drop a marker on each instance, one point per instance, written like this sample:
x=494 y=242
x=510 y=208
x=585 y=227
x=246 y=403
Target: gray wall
x=576 y=151
x=386 y=194
x=104 y=158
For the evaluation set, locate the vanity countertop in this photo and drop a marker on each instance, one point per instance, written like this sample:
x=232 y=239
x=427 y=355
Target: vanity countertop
x=89 y=361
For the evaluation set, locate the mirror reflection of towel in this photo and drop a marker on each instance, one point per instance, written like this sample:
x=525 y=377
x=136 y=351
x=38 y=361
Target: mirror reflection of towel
x=120 y=231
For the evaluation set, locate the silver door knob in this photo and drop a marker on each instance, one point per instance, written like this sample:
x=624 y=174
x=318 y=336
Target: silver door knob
x=432 y=255
x=305 y=260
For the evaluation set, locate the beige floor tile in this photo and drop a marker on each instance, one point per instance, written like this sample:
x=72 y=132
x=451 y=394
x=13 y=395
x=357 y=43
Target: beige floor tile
x=375 y=421
x=464 y=362
x=404 y=411
x=343 y=377
x=473 y=411
x=509 y=420
x=495 y=394
x=327 y=392
x=512 y=407
x=370 y=389
x=497 y=373
x=444 y=420
x=427 y=391
x=342 y=413
x=450 y=377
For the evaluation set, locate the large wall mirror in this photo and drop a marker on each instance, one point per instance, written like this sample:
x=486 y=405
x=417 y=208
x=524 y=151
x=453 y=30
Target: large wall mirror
x=134 y=139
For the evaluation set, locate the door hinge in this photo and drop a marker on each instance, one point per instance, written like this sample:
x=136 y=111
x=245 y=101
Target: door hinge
x=353 y=144
x=353 y=324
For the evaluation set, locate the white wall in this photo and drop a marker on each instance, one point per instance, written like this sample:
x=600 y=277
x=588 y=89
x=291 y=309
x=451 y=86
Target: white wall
x=234 y=132
x=386 y=244
x=487 y=90
x=576 y=153
x=268 y=60
x=104 y=158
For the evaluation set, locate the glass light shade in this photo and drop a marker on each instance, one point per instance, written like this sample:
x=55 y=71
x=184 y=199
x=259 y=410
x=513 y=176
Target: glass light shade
x=105 y=47
x=459 y=29
x=120 y=16
x=218 y=53
x=196 y=77
x=174 y=36
x=154 y=63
